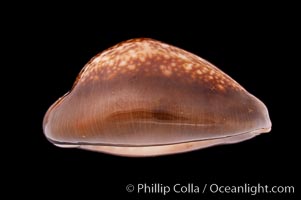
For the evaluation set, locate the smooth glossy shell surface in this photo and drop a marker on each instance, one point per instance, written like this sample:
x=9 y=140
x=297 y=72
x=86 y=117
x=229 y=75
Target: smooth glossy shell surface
x=143 y=97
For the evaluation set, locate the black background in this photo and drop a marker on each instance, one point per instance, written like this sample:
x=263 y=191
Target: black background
x=257 y=51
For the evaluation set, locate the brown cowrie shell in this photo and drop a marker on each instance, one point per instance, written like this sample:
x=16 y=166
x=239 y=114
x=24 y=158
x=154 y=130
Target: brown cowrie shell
x=143 y=97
